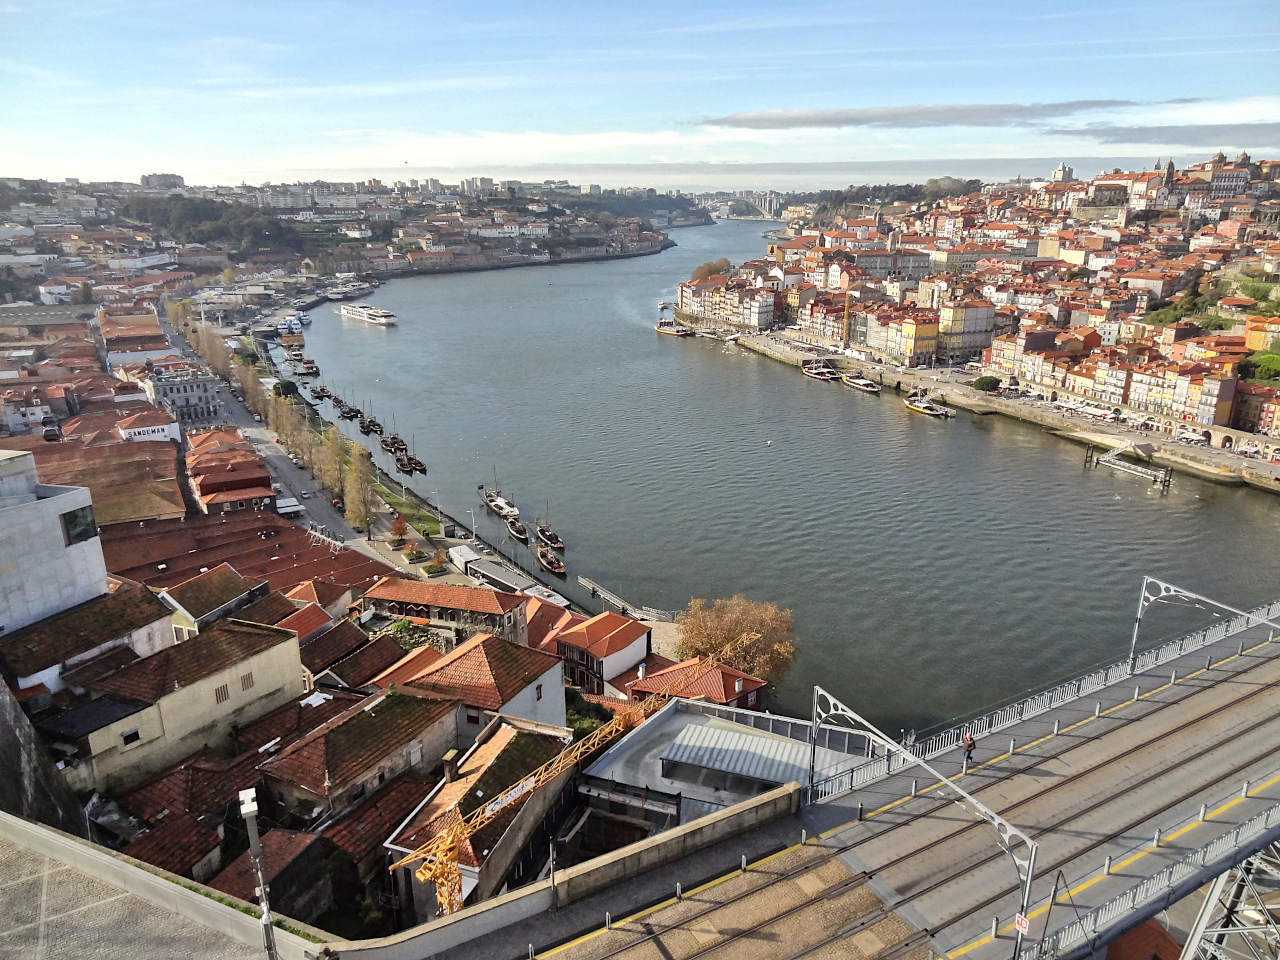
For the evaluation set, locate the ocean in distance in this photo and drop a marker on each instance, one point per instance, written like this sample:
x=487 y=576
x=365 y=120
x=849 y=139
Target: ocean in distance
x=932 y=567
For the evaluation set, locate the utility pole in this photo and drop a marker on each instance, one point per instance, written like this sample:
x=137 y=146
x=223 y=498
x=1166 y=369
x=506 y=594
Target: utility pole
x=249 y=810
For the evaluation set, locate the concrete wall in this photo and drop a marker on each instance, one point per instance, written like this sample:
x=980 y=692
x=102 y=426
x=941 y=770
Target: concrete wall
x=31 y=788
x=550 y=709
x=439 y=936
x=164 y=889
x=39 y=574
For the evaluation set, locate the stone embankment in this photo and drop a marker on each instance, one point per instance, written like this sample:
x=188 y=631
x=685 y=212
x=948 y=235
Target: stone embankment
x=1213 y=465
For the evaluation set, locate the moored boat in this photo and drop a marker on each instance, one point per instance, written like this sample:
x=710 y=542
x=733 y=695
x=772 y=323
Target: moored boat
x=548 y=536
x=550 y=561
x=495 y=501
x=819 y=370
x=671 y=328
x=378 y=316
x=861 y=383
x=518 y=529
x=403 y=465
x=919 y=404
x=308 y=368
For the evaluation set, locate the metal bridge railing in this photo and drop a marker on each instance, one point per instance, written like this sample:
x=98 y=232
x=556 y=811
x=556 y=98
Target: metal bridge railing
x=834 y=784
x=1226 y=850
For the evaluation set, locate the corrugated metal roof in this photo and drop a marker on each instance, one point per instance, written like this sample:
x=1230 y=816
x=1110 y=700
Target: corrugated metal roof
x=743 y=754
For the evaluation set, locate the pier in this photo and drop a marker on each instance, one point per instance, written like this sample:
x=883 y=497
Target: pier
x=1161 y=477
x=635 y=609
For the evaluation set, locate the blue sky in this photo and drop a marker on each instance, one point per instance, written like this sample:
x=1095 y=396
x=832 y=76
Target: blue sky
x=224 y=92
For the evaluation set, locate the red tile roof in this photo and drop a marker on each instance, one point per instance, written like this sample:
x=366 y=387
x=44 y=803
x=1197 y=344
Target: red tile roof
x=717 y=686
x=176 y=844
x=317 y=591
x=270 y=609
x=309 y=620
x=195 y=786
x=279 y=849
x=652 y=664
x=361 y=832
x=604 y=634
x=359 y=668
x=206 y=592
x=327 y=759
x=545 y=621
x=81 y=628
x=407 y=667
x=485 y=671
x=475 y=599
x=340 y=640
x=223 y=645
x=295 y=719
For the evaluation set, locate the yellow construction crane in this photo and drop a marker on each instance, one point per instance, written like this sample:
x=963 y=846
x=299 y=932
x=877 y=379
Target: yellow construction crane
x=439 y=855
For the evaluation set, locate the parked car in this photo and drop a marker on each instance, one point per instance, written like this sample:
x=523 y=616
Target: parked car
x=305 y=494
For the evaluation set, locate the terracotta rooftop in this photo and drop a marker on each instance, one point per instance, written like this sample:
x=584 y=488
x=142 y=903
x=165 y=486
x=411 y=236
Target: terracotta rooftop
x=474 y=599
x=261 y=546
x=269 y=609
x=286 y=724
x=604 y=634
x=358 y=668
x=80 y=629
x=343 y=749
x=489 y=768
x=129 y=481
x=85 y=673
x=717 y=686
x=652 y=664
x=195 y=786
x=279 y=849
x=409 y=666
x=175 y=844
x=340 y=640
x=545 y=621
x=224 y=644
x=309 y=620
x=206 y=592
x=363 y=830
x=317 y=591
x=485 y=671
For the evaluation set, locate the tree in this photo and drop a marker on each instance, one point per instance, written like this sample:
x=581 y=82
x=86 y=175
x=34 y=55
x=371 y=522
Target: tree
x=987 y=384
x=228 y=275
x=286 y=388
x=710 y=268
x=331 y=459
x=357 y=489
x=706 y=627
x=399 y=529
x=83 y=294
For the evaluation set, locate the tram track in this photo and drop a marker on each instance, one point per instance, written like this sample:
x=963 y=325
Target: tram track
x=857 y=880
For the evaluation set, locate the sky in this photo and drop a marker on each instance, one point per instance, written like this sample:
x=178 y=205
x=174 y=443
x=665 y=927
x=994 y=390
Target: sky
x=230 y=92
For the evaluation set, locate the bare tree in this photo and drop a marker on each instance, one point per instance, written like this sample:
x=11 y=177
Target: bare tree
x=706 y=627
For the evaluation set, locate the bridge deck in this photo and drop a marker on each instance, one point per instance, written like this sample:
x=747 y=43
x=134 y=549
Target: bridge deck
x=918 y=874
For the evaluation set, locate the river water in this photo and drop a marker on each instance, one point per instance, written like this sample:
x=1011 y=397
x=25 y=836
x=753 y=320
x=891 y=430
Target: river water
x=932 y=567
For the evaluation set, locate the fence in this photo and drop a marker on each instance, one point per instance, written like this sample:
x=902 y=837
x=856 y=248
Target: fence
x=836 y=739
x=1163 y=888
x=834 y=784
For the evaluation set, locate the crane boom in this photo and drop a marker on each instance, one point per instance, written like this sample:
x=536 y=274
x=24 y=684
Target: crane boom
x=438 y=857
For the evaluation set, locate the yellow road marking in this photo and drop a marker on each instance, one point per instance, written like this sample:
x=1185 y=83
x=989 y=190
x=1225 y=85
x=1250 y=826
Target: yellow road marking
x=662 y=905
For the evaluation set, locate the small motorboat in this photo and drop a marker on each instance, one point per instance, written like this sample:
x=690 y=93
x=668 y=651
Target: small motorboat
x=518 y=529
x=550 y=561
x=671 y=328
x=548 y=536
x=919 y=404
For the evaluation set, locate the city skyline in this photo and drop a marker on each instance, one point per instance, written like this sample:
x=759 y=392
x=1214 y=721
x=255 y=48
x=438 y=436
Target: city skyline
x=299 y=92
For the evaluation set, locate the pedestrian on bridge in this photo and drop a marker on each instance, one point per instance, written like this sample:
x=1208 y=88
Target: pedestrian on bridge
x=968 y=743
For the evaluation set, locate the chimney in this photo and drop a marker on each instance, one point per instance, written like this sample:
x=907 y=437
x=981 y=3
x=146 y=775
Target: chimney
x=640 y=674
x=450 y=761
x=737 y=685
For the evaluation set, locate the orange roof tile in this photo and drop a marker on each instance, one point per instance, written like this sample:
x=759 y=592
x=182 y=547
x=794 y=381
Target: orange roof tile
x=475 y=599
x=485 y=671
x=604 y=634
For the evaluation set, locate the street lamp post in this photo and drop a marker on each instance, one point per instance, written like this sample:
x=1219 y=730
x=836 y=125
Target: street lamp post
x=473 y=524
x=249 y=810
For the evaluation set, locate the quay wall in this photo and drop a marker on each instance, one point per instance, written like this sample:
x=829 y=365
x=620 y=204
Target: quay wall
x=574 y=883
x=580 y=258
x=1163 y=453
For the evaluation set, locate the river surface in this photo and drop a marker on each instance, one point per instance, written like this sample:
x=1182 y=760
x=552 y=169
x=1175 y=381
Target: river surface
x=932 y=567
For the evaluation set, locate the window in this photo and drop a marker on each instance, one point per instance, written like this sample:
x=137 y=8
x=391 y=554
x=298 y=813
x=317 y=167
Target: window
x=130 y=736
x=222 y=694
x=473 y=716
x=78 y=525
x=538 y=691
x=751 y=699
x=246 y=681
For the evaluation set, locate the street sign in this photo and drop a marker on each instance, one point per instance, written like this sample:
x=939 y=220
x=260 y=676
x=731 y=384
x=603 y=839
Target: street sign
x=1021 y=923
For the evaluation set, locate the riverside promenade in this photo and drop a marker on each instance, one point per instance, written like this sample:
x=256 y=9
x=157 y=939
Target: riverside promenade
x=1207 y=463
